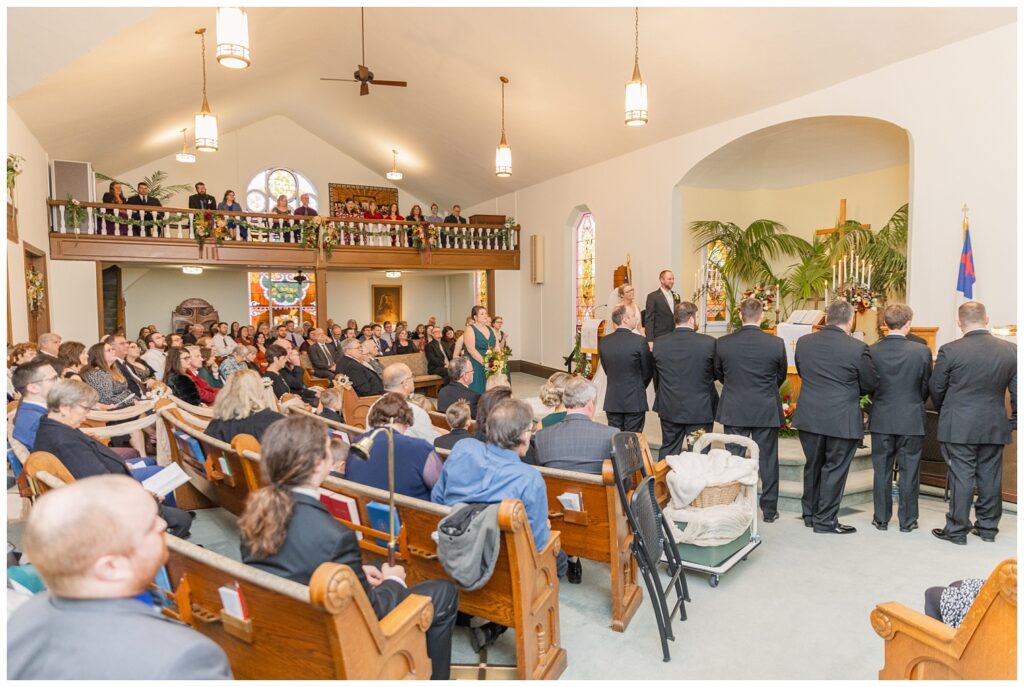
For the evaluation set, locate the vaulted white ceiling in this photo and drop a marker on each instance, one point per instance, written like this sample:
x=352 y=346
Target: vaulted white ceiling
x=114 y=86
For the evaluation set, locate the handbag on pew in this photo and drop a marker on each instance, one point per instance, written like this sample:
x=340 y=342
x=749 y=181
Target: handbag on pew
x=468 y=543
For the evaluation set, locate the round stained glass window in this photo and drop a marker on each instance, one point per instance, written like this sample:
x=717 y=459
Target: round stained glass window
x=265 y=188
x=256 y=202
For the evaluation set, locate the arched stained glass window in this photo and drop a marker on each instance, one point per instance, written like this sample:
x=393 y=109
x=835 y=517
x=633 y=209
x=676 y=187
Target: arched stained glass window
x=584 y=301
x=262 y=192
x=480 y=279
x=276 y=296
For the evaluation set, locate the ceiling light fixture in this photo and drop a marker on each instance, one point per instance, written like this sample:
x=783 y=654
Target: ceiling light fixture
x=503 y=154
x=206 y=121
x=636 y=89
x=187 y=269
x=233 y=37
x=394 y=174
x=184 y=155
x=392 y=274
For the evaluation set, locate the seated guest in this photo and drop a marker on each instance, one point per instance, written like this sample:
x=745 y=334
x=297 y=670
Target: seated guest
x=68 y=403
x=229 y=205
x=951 y=604
x=133 y=359
x=448 y=339
x=460 y=371
x=236 y=361
x=259 y=342
x=304 y=209
x=33 y=380
x=321 y=355
x=398 y=379
x=194 y=333
x=365 y=382
x=376 y=335
x=287 y=531
x=201 y=200
x=223 y=344
x=577 y=443
x=488 y=400
x=48 y=344
x=458 y=416
x=72 y=357
x=277 y=358
x=241 y=408
x=244 y=335
x=98 y=544
x=491 y=471
x=176 y=376
x=19 y=355
x=403 y=345
x=102 y=375
x=551 y=396
x=143 y=333
x=330 y=405
x=210 y=371
x=370 y=355
x=419 y=336
x=155 y=355
x=416 y=464
x=366 y=332
x=207 y=393
x=292 y=373
x=438 y=355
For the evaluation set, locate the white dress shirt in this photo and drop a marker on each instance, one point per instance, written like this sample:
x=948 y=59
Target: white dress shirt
x=671 y=301
x=223 y=345
x=156 y=359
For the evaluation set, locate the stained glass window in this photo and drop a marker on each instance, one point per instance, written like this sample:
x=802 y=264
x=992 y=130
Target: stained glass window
x=584 y=273
x=480 y=277
x=716 y=305
x=264 y=189
x=276 y=296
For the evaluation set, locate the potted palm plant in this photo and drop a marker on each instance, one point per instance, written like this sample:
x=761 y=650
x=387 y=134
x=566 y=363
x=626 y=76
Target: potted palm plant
x=157 y=187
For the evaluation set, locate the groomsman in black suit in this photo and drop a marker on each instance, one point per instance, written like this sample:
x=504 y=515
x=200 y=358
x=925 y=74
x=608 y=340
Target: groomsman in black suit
x=659 y=313
x=143 y=198
x=687 y=399
x=627 y=362
x=835 y=370
x=968 y=387
x=752 y=366
x=201 y=200
x=897 y=417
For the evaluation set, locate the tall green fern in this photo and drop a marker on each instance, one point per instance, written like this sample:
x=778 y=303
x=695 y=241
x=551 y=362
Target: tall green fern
x=155 y=181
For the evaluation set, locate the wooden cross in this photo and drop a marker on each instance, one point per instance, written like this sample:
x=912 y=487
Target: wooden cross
x=839 y=223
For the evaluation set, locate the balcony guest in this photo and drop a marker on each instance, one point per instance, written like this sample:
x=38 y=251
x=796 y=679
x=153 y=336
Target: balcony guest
x=201 y=200
x=229 y=205
x=373 y=212
x=115 y=196
x=416 y=214
x=454 y=218
x=286 y=227
x=143 y=198
x=304 y=209
x=434 y=217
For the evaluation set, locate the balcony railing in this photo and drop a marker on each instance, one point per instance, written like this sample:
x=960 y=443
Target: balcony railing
x=133 y=232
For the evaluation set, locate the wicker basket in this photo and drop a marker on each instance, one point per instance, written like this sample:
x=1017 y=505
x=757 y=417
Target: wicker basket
x=717 y=495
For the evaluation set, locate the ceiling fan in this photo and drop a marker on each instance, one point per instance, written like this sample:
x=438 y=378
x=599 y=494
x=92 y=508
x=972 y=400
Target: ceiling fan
x=363 y=76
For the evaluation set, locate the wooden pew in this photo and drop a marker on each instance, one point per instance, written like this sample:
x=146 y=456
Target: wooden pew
x=326 y=631
x=984 y=647
x=43 y=463
x=522 y=593
x=355 y=407
x=599 y=532
x=440 y=420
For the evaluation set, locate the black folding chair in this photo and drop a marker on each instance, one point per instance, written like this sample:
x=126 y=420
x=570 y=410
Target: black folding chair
x=652 y=539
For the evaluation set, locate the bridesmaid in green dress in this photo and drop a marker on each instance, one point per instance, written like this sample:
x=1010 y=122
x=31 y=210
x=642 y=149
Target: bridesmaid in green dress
x=476 y=341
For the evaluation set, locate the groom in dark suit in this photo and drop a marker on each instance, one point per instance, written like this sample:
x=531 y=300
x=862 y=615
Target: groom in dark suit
x=659 y=313
x=628 y=364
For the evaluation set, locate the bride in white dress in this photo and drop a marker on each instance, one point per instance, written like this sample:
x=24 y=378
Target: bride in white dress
x=623 y=295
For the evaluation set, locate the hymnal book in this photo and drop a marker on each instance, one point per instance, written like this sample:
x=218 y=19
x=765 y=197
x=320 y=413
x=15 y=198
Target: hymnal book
x=339 y=435
x=378 y=513
x=342 y=507
x=224 y=466
x=232 y=601
x=570 y=501
x=166 y=481
x=189 y=445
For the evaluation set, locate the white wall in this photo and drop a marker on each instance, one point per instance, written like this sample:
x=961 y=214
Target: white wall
x=958 y=105
x=152 y=293
x=274 y=141
x=72 y=285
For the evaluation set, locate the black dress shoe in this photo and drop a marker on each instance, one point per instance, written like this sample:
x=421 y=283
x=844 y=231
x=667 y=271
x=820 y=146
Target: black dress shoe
x=574 y=572
x=485 y=635
x=984 y=537
x=940 y=533
x=880 y=525
x=808 y=523
x=909 y=528
x=771 y=518
x=838 y=529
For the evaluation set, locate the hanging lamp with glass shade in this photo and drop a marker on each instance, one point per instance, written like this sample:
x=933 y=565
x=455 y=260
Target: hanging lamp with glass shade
x=206 y=121
x=503 y=153
x=636 y=89
x=394 y=174
x=233 y=37
x=184 y=155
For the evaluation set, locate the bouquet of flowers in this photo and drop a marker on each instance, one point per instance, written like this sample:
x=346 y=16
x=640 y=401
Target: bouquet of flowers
x=208 y=226
x=692 y=437
x=786 y=429
x=495 y=361
x=424 y=237
x=860 y=298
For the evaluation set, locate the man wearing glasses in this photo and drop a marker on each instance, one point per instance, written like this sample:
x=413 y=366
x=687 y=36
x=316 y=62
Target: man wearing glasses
x=33 y=381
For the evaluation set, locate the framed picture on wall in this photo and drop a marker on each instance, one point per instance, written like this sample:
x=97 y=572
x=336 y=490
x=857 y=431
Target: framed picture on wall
x=387 y=303
x=383 y=196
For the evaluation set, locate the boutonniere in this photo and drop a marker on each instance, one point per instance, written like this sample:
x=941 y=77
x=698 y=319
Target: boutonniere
x=675 y=297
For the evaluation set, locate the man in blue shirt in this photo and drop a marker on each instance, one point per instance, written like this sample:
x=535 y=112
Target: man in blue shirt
x=33 y=381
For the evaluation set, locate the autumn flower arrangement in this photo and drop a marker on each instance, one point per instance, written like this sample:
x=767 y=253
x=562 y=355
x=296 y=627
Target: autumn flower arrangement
x=210 y=226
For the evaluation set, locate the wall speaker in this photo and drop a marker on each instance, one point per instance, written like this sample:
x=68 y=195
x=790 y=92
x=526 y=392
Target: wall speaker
x=69 y=178
x=536 y=259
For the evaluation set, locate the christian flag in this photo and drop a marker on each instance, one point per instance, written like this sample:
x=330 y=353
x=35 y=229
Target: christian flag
x=965 y=278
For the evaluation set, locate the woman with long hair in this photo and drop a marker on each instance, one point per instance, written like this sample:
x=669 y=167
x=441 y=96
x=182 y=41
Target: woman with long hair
x=143 y=333
x=244 y=335
x=228 y=204
x=242 y=407
x=72 y=355
x=478 y=339
x=233 y=330
x=111 y=387
x=402 y=343
x=415 y=215
x=133 y=358
x=209 y=370
x=259 y=342
x=284 y=226
x=115 y=196
x=287 y=531
x=177 y=378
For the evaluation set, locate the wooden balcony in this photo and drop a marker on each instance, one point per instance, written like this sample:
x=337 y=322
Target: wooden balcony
x=126 y=233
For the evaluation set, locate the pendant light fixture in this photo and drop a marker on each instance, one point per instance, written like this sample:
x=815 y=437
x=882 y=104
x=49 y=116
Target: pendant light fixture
x=636 y=89
x=184 y=155
x=233 y=37
x=394 y=174
x=206 y=121
x=503 y=154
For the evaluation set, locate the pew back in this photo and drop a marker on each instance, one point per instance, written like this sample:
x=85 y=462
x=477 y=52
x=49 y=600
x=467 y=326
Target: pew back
x=42 y=461
x=355 y=407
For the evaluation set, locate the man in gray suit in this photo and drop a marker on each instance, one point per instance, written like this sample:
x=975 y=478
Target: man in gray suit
x=98 y=544
x=752 y=366
x=897 y=418
x=968 y=387
x=576 y=443
x=835 y=369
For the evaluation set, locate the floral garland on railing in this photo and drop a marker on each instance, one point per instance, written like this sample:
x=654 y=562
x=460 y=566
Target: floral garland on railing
x=209 y=225
x=74 y=213
x=425 y=237
x=36 y=291
x=318 y=234
x=145 y=223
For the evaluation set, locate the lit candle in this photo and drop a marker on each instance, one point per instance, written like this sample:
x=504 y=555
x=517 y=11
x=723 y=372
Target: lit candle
x=833 y=276
x=871 y=268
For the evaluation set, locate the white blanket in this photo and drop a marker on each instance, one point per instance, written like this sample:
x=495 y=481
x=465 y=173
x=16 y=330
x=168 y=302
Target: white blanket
x=690 y=473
